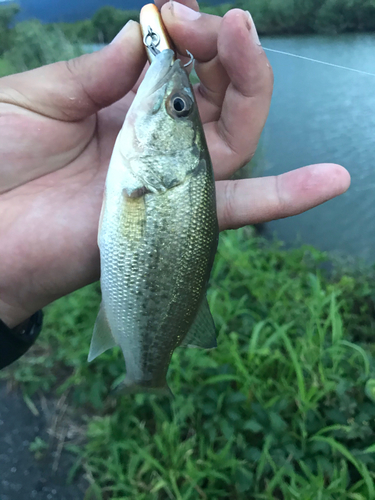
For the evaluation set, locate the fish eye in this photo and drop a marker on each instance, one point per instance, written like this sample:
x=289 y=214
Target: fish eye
x=179 y=105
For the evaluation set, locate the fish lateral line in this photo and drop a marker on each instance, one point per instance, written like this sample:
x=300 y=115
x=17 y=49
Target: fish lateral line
x=319 y=62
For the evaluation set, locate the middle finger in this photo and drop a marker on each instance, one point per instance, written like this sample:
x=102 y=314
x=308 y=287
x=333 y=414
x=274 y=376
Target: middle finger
x=198 y=33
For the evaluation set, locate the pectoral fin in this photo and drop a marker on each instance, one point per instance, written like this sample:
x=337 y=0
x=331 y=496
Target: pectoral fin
x=101 y=219
x=202 y=332
x=102 y=338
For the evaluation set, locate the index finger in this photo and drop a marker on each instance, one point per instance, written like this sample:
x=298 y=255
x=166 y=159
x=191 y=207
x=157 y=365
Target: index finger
x=198 y=33
x=234 y=114
x=192 y=4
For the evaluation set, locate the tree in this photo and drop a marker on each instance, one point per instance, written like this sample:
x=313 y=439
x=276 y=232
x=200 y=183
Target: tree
x=108 y=21
x=34 y=44
x=7 y=15
x=80 y=31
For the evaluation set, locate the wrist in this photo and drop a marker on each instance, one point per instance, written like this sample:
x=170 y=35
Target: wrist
x=13 y=316
x=15 y=342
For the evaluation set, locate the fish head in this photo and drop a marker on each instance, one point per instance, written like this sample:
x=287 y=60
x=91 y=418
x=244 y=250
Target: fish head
x=163 y=129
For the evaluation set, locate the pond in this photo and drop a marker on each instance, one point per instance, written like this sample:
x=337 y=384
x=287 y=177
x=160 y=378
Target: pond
x=324 y=114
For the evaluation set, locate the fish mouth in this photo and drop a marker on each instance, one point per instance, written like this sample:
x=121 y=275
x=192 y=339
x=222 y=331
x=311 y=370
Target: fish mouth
x=174 y=66
x=160 y=72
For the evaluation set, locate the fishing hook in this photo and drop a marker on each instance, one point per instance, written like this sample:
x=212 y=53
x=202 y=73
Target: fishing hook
x=191 y=59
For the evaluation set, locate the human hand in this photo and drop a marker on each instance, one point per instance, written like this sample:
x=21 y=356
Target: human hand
x=56 y=142
x=55 y=146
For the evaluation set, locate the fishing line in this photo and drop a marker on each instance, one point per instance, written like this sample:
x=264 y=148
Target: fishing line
x=320 y=62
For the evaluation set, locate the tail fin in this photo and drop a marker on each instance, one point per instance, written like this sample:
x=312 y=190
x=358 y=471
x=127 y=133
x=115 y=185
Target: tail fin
x=128 y=387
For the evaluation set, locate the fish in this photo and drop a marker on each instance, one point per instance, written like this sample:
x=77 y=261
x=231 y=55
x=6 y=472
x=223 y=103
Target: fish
x=158 y=231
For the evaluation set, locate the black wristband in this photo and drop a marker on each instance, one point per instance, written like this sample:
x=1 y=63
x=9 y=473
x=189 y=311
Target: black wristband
x=15 y=342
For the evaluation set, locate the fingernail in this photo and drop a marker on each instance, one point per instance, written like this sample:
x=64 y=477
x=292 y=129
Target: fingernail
x=253 y=30
x=184 y=13
x=121 y=33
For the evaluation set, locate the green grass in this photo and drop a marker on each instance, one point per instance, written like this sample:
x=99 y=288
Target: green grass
x=282 y=409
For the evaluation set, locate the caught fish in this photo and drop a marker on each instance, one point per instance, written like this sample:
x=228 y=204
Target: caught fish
x=158 y=231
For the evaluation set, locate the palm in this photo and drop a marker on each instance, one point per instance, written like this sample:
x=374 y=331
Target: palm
x=51 y=221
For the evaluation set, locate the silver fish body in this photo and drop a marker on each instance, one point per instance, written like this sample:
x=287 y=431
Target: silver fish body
x=158 y=232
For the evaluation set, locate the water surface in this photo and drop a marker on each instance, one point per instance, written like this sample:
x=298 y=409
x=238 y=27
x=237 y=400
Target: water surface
x=325 y=114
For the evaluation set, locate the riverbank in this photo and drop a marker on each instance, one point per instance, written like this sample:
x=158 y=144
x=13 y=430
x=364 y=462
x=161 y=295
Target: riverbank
x=283 y=408
x=279 y=17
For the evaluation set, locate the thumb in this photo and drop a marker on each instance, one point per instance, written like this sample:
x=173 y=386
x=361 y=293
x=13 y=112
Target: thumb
x=75 y=89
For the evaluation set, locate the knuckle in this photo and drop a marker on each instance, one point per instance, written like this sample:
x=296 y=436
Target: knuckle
x=279 y=202
x=229 y=205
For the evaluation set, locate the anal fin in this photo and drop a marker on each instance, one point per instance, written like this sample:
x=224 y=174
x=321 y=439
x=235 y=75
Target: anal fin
x=102 y=338
x=202 y=332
